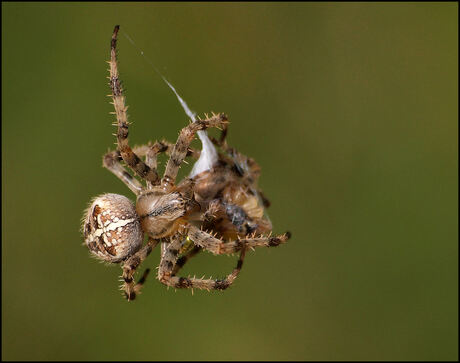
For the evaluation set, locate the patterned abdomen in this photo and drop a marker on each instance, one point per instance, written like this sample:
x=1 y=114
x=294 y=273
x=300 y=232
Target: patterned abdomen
x=111 y=228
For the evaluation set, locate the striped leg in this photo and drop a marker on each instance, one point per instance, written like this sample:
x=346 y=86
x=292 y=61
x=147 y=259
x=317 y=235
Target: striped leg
x=111 y=161
x=167 y=147
x=151 y=151
x=182 y=145
x=130 y=158
x=167 y=270
x=129 y=268
x=218 y=247
x=162 y=147
x=181 y=261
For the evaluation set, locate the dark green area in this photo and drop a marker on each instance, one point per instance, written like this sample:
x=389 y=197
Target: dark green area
x=350 y=109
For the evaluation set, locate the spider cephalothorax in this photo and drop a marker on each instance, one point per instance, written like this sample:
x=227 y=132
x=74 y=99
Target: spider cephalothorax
x=217 y=208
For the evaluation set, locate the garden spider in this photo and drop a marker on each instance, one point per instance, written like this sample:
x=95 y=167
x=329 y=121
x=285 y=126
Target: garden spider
x=218 y=209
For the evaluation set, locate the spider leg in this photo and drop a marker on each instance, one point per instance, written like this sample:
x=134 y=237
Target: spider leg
x=181 y=261
x=130 y=266
x=111 y=161
x=129 y=157
x=222 y=141
x=167 y=147
x=218 y=247
x=151 y=151
x=182 y=145
x=167 y=270
x=162 y=147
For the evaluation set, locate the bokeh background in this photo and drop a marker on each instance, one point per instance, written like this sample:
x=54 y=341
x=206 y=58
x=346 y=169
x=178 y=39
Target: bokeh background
x=350 y=109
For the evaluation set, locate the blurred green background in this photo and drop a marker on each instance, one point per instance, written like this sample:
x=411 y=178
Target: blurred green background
x=350 y=109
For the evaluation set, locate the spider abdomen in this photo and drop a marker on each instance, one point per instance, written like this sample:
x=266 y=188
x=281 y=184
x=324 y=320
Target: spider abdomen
x=112 y=228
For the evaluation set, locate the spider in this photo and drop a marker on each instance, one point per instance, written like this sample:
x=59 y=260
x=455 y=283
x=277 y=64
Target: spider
x=218 y=208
